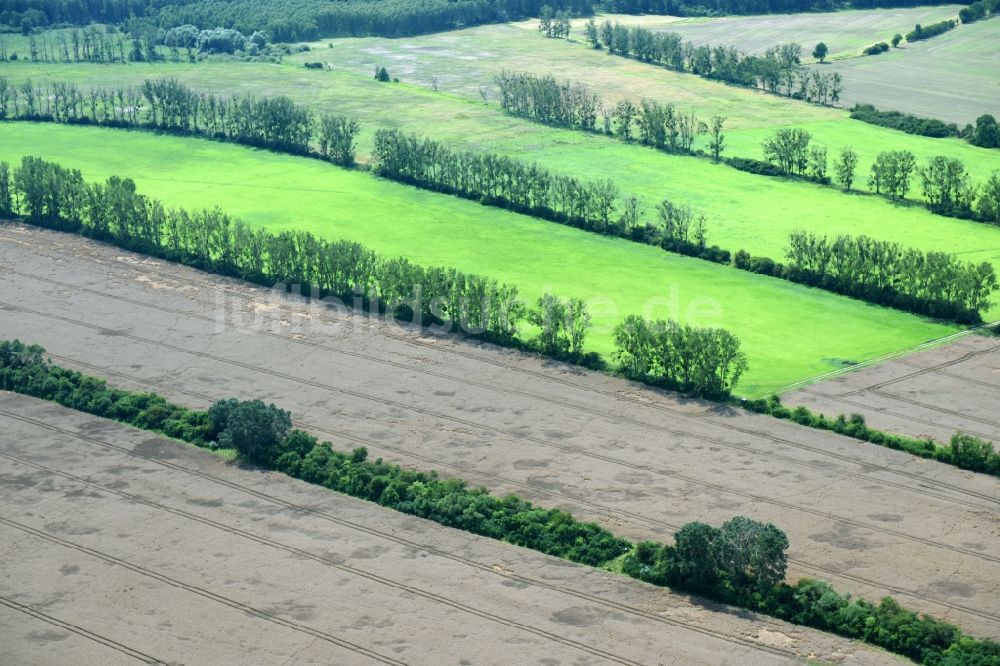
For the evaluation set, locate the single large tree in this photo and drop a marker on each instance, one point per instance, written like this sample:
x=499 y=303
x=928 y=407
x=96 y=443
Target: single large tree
x=820 y=52
x=845 y=167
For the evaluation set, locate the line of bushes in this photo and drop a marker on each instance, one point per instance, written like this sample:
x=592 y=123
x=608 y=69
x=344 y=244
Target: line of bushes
x=743 y=562
x=876 y=49
x=984 y=133
x=963 y=450
x=920 y=32
x=904 y=122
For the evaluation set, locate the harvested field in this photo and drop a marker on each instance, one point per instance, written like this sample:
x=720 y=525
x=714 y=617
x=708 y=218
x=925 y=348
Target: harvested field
x=124 y=547
x=844 y=32
x=931 y=393
x=956 y=74
x=870 y=520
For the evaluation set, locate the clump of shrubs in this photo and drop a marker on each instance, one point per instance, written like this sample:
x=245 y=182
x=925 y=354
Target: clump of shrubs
x=876 y=49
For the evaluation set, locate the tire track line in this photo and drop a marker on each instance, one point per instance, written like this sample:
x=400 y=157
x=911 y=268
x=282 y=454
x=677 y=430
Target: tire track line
x=376 y=578
x=80 y=631
x=212 y=596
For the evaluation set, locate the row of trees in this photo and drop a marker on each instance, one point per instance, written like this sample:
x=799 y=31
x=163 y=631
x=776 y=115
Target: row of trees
x=554 y=23
x=528 y=188
x=742 y=562
x=165 y=104
x=946 y=185
x=569 y=104
x=777 y=71
x=703 y=361
x=933 y=283
x=110 y=44
x=499 y=180
x=52 y=196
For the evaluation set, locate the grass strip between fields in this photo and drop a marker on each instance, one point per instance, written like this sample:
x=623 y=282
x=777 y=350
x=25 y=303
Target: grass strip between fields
x=741 y=563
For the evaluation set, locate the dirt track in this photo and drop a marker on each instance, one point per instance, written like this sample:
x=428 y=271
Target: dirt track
x=931 y=393
x=124 y=547
x=870 y=520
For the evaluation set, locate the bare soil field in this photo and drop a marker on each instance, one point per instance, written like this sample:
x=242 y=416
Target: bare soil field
x=641 y=462
x=955 y=73
x=124 y=547
x=931 y=393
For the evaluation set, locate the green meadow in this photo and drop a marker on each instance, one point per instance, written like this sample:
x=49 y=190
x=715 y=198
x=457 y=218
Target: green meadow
x=789 y=332
x=743 y=210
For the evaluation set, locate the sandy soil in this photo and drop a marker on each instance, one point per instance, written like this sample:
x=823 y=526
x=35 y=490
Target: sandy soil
x=932 y=393
x=871 y=520
x=122 y=547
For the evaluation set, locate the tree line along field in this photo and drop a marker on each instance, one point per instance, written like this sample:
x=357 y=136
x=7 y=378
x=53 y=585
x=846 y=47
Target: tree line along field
x=745 y=211
x=844 y=32
x=619 y=277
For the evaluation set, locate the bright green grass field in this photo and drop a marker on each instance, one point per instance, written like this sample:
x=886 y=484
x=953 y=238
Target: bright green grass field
x=789 y=332
x=743 y=210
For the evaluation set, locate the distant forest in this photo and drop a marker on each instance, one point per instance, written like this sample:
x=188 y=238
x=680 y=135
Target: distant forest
x=292 y=20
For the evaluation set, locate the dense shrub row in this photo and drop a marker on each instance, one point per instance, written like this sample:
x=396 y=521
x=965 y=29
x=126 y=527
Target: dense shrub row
x=751 y=165
x=23 y=369
x=51 y=196
x=984 y=133
x=743 y=562
x=933 y=283
x=903 y=122
x=875 y=49
x=963 y=450
x=920 y=32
